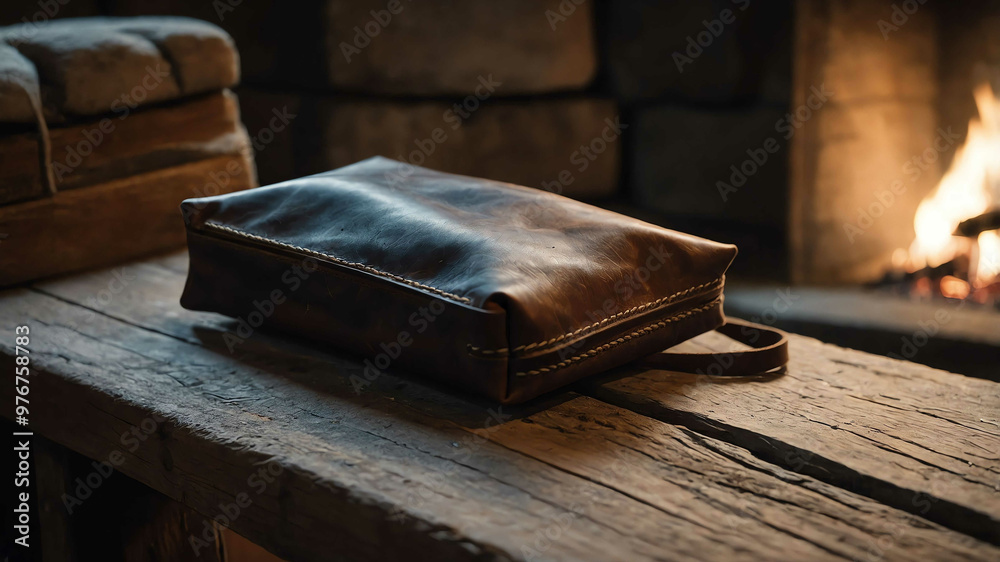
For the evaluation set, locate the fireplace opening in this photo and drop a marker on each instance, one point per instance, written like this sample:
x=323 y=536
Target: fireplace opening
x=893 y=185
x=956 y=249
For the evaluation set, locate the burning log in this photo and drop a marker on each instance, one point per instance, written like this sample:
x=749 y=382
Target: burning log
x=971 y=228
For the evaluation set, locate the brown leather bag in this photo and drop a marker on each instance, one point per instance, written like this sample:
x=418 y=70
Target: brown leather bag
x=498 y=289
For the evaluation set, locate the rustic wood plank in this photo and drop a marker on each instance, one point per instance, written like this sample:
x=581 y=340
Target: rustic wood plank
x=155 y=528
x=238 y=549
x=956 y=336
x=922 y=440
x=396 y=468
x=120 y=519
x=863 y=308
x=52 y=480
x=104 y=224
x=659 y=461
x=117 y=146
x=20 y=167
x=24 y=147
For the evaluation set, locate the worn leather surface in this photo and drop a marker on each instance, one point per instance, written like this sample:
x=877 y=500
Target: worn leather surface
x=532 y=290
x=767 y=351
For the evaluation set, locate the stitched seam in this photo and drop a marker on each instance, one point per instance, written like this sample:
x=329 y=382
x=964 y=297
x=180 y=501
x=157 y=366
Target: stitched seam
x=602 y=348
x=353 y=265
x=625 y=313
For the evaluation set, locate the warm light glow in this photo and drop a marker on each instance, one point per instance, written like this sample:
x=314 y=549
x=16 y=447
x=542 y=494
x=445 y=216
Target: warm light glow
x=954 y=287
x=989 y=257
x=969 y=188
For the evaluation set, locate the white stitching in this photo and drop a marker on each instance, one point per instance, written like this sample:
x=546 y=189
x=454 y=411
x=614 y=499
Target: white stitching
x=337 y=260
x=602 y=348
x=622 y=314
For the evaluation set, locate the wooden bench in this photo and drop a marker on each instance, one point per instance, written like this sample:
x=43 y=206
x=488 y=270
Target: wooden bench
x=846 y=456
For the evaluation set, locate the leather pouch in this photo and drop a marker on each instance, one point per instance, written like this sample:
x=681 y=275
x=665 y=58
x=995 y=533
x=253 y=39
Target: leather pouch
x=497 y=289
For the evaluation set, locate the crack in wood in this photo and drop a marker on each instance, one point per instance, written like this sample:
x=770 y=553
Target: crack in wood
x=354 y=460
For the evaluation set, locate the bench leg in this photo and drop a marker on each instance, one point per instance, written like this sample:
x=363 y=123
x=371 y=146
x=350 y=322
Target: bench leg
x=87 y=512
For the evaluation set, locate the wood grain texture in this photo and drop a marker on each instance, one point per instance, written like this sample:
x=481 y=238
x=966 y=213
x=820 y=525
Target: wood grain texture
x=21 y=174
x=53 y=479
x=155 y=528
x=116 y=518
x=923 y=440
x=111 y=222
x=238 y=549
x=119 y=145
x=956 y=336
x=402 y=467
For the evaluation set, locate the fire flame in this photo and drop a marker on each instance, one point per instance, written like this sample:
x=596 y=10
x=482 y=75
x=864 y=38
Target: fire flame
x=970 y=187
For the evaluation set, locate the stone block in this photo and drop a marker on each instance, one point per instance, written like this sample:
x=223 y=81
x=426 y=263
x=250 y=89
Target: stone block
x=724 y=165
x=572 y=146
x=400 y=47
x=862 y=55
x=860 y=168
x=713 y=51
x=874 y=163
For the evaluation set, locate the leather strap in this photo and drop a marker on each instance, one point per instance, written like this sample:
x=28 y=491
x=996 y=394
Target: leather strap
x=770 y=352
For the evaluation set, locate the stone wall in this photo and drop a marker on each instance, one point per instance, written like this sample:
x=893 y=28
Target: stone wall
x=866 y=157
x=504 y=90
x=639 y=99
x=521 y=91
